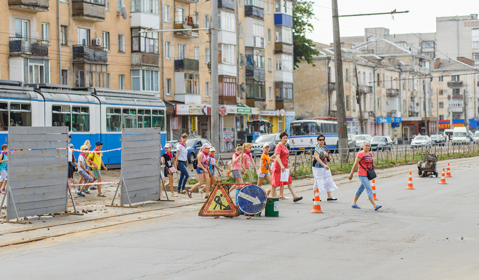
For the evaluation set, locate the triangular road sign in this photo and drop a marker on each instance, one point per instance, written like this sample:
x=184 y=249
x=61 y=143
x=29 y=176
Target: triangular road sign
x=219 y=204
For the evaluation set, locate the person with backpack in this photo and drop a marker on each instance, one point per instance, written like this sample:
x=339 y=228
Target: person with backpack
x=366 y=165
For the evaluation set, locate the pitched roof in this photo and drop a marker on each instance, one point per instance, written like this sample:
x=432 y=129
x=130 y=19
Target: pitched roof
x=451 y=64
x=383 y=46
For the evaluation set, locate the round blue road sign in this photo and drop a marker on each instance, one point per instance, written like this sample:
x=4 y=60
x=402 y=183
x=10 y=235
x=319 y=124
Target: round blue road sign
x=252 y=199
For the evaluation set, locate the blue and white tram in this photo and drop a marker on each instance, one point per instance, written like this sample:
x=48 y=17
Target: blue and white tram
x=94 y=114
x=303 y=134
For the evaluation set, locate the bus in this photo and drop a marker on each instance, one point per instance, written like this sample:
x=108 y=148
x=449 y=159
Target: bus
x=303 y=134
x=94 y=114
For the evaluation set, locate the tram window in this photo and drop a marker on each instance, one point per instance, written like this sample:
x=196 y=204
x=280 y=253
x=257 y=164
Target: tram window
x=144 y=118
x=159 y=119
x=20 y=114
x=129 y=118
x=3 y=116
x=61 y=115
x=80 y=119
x=113 y=119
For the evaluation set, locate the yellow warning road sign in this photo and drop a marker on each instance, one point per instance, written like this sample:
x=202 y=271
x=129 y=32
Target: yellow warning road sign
x=219 y=204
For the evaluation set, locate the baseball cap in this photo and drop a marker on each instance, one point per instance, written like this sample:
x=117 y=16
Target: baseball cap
x=212 y=149
x=266 y=145
x=98 y=143
x=83 y=147
x=70 y=145
x=206 y=146
x=167 y=145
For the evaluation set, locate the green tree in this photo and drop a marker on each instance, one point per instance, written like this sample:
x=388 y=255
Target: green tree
x=303 y=47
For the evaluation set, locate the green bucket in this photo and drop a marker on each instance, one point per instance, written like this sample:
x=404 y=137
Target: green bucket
x=272 y=207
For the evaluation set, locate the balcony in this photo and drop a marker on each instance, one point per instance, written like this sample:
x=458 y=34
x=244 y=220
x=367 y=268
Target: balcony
x=254 y=42
x=457 y=96
x=391 y=92
x=188 y=98
x=255 y=73
x=83 y=53
x=457 y=109
x=186 y=64
x=366 y=89
x=371 y=114
x=227 y=4
x=283 y=19
x=184 y=27
x=227 y=100
x=457 y=84
x=19 y=46
x=283 y=48
x=188 y=1
x=33 y=6
x=91 y=10
x=252 y=11
x=413 y=114
x=145 y=59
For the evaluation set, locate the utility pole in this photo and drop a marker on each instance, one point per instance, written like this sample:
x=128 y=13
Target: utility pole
x=358 y=98
x=215 y=124
x=424 y=88
x=437 y=110
x=466 y=120
x=342 y=127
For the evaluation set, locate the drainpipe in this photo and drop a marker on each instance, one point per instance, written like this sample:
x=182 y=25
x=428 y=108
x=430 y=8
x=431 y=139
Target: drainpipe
x=59 y=45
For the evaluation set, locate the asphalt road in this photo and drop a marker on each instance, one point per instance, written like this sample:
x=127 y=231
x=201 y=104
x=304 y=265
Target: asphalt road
x=427 y=233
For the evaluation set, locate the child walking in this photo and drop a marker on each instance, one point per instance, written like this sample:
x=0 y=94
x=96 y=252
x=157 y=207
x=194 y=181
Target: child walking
x=168 y=160
x=265 y=168
x=3 y=168
x=211 y=170
x=238 y=166
x=248 y=160
x=95 y=159
x=86 y=175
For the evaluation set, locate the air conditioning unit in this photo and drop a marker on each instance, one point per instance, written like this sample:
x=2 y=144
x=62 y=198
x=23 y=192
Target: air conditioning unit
x=96 y=42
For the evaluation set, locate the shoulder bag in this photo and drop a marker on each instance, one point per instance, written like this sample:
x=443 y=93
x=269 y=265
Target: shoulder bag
x=369 y=172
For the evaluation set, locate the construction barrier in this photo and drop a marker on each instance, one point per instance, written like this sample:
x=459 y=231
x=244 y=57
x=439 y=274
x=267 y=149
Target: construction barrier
x=373 y=186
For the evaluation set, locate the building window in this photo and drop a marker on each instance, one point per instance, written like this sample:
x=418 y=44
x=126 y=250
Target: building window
x=347 y=75
x=197 y=53
x=269 y=35
x=441 y=117
x=167 y=50
x=121 y=43
x=227 y=54
x=192 y=83
x=180 y=15
x=226 y=86
x=277 y=6
x=441 y=78
x=196 y=19
x=254 y=58
x=441 y=105
x=284 y=62
x=144 y=6
x=270 y=66
x=143 y=41
x=144 y=80
x=167 y=13
x=379 y=104
x=121 y=81
x=455 y=78
x=239 y=3
x=347 y=103
x=83 y=36
x=258 y=28
x=268 y=7
x=107 y=4
x=441 y=92
x=64 y=77
x=475 y=38
x=207 y=56
x=207 y=21
x=63 y=35
x=38 y=71
x=181 y=49
x=475 y=56
x=45 y=33
x=456 y=91
x=168 y=86
x=22 y=29
x=255 y=89
x=283 y=35
x=106 y=41
x=207 y=89
x=427 y=44
x=226 y=21
x=256 y=3
x=107 y=80
x=270 y=94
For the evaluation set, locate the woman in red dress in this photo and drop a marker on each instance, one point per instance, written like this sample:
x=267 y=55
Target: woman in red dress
x=282 y=163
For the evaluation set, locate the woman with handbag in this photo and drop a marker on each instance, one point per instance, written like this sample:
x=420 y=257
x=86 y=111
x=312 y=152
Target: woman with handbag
x=323 y=181
x=365 y=173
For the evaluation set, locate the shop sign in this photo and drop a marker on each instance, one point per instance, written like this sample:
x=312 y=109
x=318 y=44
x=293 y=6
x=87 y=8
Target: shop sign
x=388 y=120
x=282 y=112
x=243 y=110
x=231 y=110
x=222 y=110
x=446 y=124
x=255 y=111
x=395 y=124
x=195 y=110
x=175 y=123
x=228 y=136
x=269 y=113
x=182 y=109
x=206 y=110
x=194 y=123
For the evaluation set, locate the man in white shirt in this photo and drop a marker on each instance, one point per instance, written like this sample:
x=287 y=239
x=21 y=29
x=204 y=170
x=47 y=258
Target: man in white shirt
x=181 y=163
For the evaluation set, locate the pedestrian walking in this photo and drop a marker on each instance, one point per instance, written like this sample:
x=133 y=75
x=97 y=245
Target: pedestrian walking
x=202 y=169
x=323 y=180
x=280 y=166
x=248 y=161
x=95 y=159
x=265 y=167
x=86 y=175
x=366 y=162
x=3 y=168
x=170 y=169
x=181 y=163
x=238 y=167
x=71 y=161
x=211 y=169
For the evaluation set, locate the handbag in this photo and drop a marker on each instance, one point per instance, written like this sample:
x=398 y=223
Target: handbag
x=172 y=169
x=369 y=172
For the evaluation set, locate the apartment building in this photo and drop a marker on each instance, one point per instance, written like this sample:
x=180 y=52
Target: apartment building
x=79 y=43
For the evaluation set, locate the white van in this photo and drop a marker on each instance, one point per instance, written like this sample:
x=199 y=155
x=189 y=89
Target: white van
x=460 y=136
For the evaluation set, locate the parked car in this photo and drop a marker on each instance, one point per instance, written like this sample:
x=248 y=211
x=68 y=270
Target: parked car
x=351 y=142
x=271 y=139
x=438 y=139
x=193 y=146
x=460 y=136
x=381 y=143
x=360 y=138
x=421 y=141
x=476 y=136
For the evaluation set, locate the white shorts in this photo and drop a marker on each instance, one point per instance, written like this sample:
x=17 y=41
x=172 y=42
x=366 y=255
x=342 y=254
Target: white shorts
x=3 y=176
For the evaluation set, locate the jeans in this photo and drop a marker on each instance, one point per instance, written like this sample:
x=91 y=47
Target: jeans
x=364 y=185
x=184 y=175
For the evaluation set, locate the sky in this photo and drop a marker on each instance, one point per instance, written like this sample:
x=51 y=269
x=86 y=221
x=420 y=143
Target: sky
x=421 y=17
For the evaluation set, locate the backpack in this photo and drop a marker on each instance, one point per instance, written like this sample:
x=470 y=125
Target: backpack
x=195 y=163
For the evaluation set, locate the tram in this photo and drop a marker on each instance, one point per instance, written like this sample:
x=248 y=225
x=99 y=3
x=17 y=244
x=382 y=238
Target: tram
x=94 y=114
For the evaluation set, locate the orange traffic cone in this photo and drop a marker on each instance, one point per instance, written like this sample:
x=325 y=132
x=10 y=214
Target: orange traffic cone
x=373 y=186
x=316 y=205
x=448 y=173
x=409 y=182
x=443 y=178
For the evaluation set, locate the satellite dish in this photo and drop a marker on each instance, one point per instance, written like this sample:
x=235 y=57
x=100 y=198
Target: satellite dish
x=124 y=13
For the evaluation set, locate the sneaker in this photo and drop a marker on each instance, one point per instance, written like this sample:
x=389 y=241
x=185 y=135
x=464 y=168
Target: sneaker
x=80 y=194
x=93 y=188
x=4 y=191
x=78 y=189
